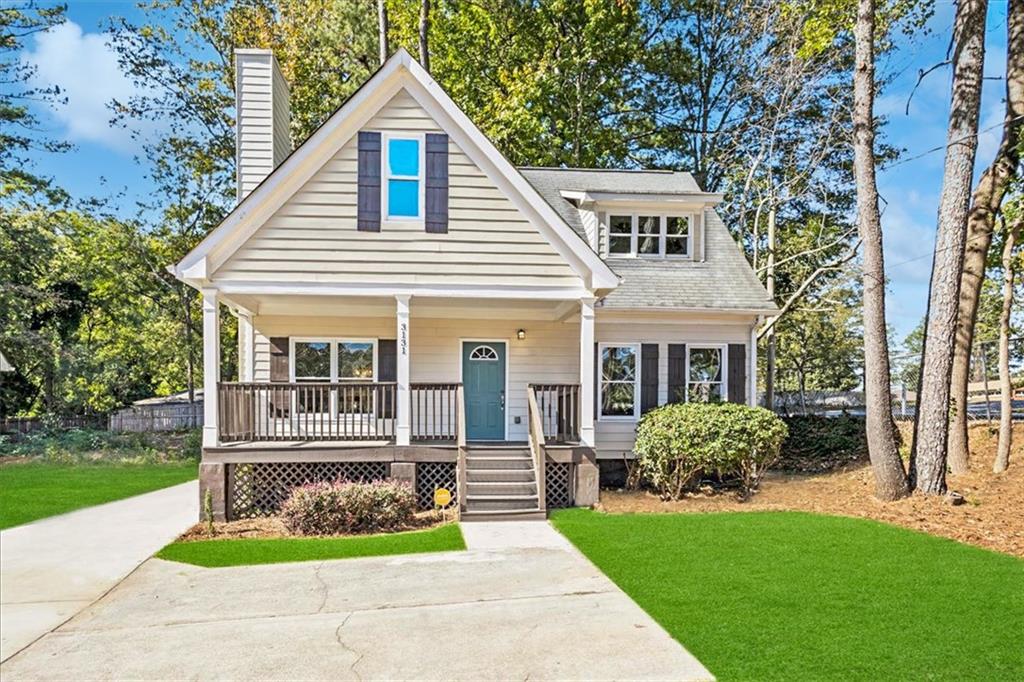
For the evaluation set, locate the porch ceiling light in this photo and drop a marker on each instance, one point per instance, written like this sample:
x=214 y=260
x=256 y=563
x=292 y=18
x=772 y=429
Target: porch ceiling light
x=521 y=334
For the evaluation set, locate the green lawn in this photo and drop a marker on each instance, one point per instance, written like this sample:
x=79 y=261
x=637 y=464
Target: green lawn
x=795 y=596
x=30 y=491
x=243 y=552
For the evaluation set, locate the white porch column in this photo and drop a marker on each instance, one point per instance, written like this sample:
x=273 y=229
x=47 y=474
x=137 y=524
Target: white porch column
x=752 y=370
x=587 y=371
x=211 y=366
x=246 y=347
x=402 y=375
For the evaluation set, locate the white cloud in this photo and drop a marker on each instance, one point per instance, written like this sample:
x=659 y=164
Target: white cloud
x=86 y=70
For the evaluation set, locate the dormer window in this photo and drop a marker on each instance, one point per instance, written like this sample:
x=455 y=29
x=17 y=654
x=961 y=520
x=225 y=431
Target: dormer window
x=640 y=234
x=403 y=178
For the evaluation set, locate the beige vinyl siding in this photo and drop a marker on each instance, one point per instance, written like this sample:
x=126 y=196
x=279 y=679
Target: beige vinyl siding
x=617 y=438
x=262 y=125
x=282 y=119
x=313 y=237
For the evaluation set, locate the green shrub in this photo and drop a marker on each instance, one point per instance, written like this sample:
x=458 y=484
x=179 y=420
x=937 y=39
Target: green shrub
x=676 y=442
x=346 y=507
x=817 y=443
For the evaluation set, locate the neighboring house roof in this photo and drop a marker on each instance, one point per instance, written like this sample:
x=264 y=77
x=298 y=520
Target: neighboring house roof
x=723 y=281
x=173 y=399
x=400 y=71
x=4 y=365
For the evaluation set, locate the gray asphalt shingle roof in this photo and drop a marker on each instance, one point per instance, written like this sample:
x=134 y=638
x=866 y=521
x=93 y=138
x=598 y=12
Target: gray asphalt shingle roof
x=723 y=281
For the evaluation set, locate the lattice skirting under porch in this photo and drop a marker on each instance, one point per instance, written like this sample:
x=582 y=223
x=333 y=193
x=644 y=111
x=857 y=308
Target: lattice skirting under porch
x=259 y=489
x=433 y=475
x=559 y=485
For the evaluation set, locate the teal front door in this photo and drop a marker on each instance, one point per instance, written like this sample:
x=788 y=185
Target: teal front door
x=483 y=379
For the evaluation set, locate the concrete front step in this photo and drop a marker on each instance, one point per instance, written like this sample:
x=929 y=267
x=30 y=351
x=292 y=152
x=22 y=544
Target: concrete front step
x=500 y=502
x=500 y=476
x=498 y=463
x=479 y=488
x=516 y=515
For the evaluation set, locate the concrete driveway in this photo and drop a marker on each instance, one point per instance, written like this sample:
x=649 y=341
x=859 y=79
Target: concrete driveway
x=521 y=603
x=53 y=568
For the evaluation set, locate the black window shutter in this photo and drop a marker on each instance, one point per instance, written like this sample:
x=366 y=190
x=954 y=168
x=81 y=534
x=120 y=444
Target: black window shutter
x=676 y=372
x=597 y=382
x=648 y=376
x=368 y=210
x=437 y=183
x=387 y=370
x=737 y=373
x=279 y=370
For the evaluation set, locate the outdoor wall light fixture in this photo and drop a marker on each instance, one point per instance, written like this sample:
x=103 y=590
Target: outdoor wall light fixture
x=521 y=334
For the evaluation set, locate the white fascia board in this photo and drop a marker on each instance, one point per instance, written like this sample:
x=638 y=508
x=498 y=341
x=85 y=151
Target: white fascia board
x=305 y=161
x=230 y=287
x=696 y=198
x=688 y=310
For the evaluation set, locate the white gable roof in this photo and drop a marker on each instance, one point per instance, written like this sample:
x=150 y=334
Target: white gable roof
x=401 y=71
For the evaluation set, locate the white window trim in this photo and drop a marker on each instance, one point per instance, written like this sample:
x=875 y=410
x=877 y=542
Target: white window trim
x=333 y=342
x=723 y=349
x=385 y=175
x=601 y=416
x=634 y=240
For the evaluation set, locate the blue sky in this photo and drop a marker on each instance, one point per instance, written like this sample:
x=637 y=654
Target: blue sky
x=103 y=164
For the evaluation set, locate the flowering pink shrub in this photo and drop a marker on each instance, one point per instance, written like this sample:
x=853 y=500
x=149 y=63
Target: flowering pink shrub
x=348 y=507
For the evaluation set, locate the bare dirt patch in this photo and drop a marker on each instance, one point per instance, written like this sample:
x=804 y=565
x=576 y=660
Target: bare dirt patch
x=992 y=515
x=272 y=527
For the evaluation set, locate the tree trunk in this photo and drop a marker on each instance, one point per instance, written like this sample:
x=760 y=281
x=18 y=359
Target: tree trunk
x=382 y=31
x=988 y=196
x=931 y=428
x=425 y=34
x=769 y=365
x=890 y=478
x=1005 y=386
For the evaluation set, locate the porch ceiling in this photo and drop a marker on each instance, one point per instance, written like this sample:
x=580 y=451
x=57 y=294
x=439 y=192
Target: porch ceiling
x=419 y=306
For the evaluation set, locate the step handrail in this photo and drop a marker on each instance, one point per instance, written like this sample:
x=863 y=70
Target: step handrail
x=537 y=447
x=460 y=467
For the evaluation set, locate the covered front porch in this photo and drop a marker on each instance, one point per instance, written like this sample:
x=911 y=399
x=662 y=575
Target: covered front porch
x=416 y=388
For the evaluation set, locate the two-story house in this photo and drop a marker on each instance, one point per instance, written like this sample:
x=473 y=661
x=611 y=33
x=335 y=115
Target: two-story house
x=411 y=305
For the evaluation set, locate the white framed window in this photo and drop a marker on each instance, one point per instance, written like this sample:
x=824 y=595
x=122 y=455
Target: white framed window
x=706 y=369
x=402 y=187
x=333 y=360
x=650 y=234
x=619 y=388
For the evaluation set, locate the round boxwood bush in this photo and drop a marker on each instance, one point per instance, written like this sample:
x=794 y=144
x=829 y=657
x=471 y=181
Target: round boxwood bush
x=347 y=507
x=675 y=443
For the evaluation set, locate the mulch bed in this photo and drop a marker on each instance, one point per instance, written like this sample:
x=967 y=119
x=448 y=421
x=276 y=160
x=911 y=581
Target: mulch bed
x=991 y=517
x=272 y=527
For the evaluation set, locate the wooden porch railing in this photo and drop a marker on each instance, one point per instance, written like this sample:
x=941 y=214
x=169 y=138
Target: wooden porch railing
x=307 y=411
x=460 y=467
x=434 y=413
x=559 y=411
x=537 y=447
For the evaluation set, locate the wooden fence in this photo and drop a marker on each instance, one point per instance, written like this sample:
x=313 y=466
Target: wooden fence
x=168 y=417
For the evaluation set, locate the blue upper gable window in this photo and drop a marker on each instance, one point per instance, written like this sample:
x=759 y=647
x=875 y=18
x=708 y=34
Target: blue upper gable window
x=404 y=178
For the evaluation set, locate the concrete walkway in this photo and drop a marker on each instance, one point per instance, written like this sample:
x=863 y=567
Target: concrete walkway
x=53 y=568
x=520 y=604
